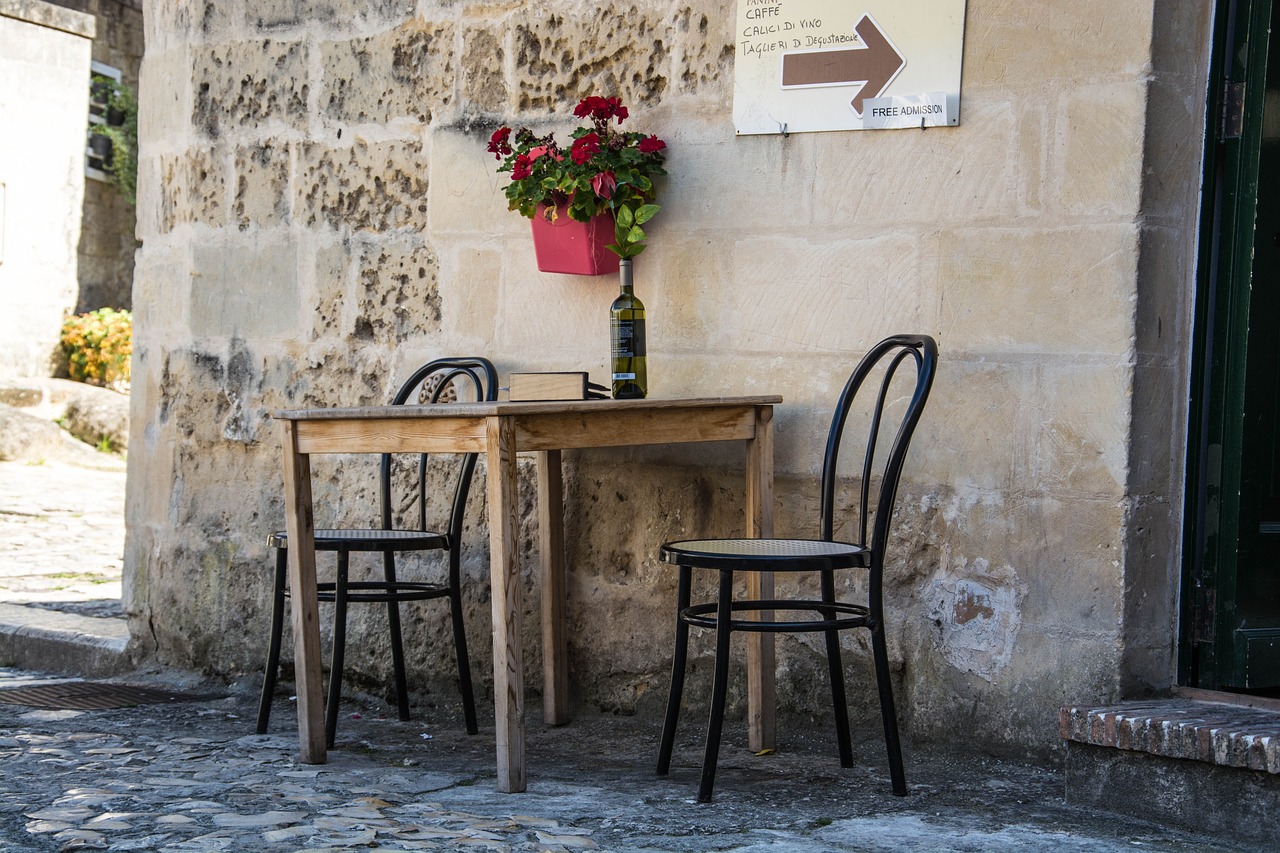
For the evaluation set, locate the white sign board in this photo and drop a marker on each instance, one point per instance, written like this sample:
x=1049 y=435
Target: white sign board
x=805 y=65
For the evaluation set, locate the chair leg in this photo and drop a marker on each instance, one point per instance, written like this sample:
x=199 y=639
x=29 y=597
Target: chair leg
x=339 y=649
x=835 y=664
x=397 y=645
x=464 y=660
x=839 y=704
x=724 y=616
x=271 y=671
x=880 y=651
x=681 y=657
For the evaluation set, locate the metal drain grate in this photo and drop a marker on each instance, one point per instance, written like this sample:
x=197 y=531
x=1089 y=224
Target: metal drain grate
x=92 y=696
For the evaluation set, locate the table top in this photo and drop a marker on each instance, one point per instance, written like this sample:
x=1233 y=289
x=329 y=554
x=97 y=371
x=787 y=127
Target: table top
x=502 y=408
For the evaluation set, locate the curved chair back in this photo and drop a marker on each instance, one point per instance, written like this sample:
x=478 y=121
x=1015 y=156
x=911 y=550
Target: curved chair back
x=883 y=360
x=468 y=379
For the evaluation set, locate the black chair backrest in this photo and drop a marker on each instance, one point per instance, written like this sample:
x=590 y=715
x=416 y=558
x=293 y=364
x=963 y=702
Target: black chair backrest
x=891 y=353
x=468 y=379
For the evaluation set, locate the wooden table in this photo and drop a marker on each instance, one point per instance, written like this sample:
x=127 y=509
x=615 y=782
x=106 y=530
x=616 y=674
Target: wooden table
x=500 y=430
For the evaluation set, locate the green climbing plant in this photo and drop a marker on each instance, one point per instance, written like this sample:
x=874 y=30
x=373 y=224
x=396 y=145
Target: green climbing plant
x=121 y=127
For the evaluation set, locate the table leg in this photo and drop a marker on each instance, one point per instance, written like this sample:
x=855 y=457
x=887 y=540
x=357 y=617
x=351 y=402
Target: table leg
x=504 y=574
x=555 y=646
x=761 y=664
x=299 y=523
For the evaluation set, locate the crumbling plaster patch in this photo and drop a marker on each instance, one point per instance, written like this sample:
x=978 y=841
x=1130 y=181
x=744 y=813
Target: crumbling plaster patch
x=976 y=613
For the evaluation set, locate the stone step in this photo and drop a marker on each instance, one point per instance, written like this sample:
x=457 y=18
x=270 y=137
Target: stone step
x=1213 y=732
x=1203 y=766
x=34 y=638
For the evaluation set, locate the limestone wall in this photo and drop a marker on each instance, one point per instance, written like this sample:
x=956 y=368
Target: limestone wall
x=44 y=103
x=319 y=215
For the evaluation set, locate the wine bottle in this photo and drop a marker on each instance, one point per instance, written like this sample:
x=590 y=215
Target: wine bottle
x=626 y=330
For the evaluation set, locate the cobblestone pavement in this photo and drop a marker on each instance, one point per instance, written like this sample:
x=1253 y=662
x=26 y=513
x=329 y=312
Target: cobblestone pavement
x=192 y=776
x=62 y=534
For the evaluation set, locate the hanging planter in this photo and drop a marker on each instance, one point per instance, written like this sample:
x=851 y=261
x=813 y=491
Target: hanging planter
x=565 y=245
x=604 y=173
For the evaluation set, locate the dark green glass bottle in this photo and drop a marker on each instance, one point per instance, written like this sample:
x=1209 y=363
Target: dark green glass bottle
x=626 y=331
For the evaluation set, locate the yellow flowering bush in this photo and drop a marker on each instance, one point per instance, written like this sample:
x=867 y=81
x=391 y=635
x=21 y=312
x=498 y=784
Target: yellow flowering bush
x=98 y=345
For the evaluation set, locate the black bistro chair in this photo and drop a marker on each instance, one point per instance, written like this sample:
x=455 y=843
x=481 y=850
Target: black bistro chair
x=822 y=556
x=444 y=380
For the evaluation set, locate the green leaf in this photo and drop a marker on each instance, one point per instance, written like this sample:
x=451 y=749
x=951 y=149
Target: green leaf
x=624 y=218
x=646 y=212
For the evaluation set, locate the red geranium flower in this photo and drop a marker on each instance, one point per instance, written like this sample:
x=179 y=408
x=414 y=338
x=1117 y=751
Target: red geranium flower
x=585 y=148
x=600 y=109
x=604 y=184
x=521 y=168
x=651 y=144
x=498 y=145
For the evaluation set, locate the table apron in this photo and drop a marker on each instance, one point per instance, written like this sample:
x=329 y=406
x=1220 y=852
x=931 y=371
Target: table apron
x=625 y=428
x=392 y=435
x=551 y=431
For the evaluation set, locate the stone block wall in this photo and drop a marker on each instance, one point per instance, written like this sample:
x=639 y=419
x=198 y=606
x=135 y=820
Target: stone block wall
x=319 y=216
x=44 y=104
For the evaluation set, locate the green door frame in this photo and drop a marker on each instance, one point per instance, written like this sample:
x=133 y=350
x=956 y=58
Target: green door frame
x=1212 y=510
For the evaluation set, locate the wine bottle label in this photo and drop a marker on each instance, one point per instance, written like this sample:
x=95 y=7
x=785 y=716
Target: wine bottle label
x=625 y=339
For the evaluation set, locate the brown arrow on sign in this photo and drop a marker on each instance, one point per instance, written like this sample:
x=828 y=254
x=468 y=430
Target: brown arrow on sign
x=874 y=65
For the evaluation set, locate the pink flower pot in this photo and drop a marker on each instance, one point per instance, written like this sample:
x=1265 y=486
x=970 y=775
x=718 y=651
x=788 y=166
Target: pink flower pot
x=572 y=247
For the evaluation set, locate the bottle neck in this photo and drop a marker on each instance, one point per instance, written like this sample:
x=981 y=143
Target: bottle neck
x=624 y=275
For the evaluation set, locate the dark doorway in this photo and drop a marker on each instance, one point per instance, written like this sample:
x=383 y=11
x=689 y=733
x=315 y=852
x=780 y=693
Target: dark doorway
x=1230 y=636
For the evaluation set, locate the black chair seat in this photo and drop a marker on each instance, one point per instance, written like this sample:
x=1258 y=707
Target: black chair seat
x=380 y=592
x=766 y=555
x=369 y=540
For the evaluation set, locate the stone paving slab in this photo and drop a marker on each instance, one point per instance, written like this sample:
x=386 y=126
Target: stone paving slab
x=62 y=534
x=194 y=777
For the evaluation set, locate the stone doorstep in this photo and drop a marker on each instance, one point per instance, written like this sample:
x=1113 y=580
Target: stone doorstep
x=1212 y=732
